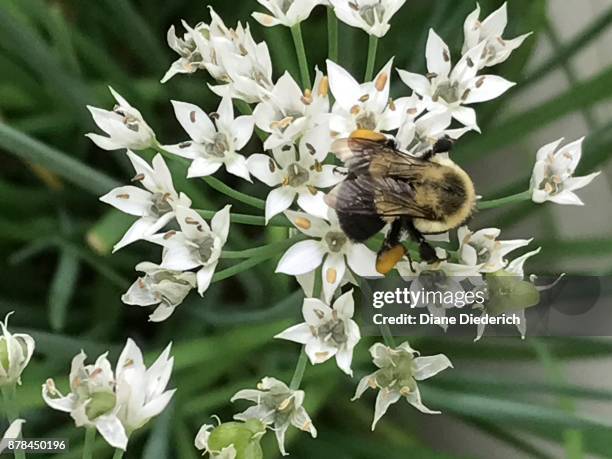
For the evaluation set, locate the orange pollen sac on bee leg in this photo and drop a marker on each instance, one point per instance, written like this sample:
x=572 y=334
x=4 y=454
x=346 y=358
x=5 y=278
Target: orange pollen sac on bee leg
x=386 y=261
x=368 y=135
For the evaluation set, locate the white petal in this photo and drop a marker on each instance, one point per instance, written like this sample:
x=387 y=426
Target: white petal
x=236 y=164
x=332 y=274
x=204 y=277
x=203 y=167
x=466 y=116
x=495 y=24
x=384 y=400
x=343 y=86
x=14 y=430
x=566 y=197
x=344 y=359
x=437 y=54
x=316 y=312
x=426 y=367
x=362 y=261
x=414 y=398
x=225 y=112
x=141 y=229
x=487 y=87
x=575 y=183
x=161 y=312
x=299 y=333
x=129 y=199
x=301 y=258
x=329 y=176
x=265 y=169
x=345 y=305
x=418 y=83
x=278 y=200
x=313 y=204
x=265 y=19
x=242 y=128
x=308 y=224
x=112 y=430
x=220 y=223
x=194 y=121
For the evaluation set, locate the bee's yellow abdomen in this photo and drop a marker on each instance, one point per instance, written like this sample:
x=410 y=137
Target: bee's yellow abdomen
x=368 y=135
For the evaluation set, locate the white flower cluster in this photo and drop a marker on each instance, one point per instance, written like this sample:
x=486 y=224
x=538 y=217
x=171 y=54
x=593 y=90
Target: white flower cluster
x=297 y=125
x=116 y=402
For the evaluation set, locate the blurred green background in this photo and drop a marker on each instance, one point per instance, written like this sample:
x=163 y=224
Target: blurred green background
x=536 y=398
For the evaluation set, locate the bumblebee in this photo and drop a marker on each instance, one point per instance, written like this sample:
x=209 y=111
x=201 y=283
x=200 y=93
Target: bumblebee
x=416 y=195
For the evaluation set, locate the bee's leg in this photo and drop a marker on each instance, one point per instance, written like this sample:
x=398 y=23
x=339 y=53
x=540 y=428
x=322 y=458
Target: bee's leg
x=340 y=171
x=392 y=249
x=426 y=251
x=443 y=145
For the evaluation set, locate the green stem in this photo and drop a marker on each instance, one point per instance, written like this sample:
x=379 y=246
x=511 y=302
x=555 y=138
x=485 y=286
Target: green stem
x=372 y=47
x=523 y=196
x=332 y=34
x=218 y=185
x=296 y=33
x=245 y=219
x=385 y=331
x=118 y=454
x=268 y=249
x=9 y=398
x=242 y=266
x=90 y=437
x=300 y=367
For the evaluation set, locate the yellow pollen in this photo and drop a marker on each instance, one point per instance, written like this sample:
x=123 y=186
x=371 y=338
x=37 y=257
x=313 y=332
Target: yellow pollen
x=169 y=234
x=123 y=196
x=284 y=404
x=355 y=109
x=303 y=223
x=331 y=275
x=381 y=82
x=324 y=87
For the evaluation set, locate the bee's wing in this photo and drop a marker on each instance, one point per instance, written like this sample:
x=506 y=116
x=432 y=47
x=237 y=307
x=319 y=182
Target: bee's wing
x=385 y=197
x=362 y=156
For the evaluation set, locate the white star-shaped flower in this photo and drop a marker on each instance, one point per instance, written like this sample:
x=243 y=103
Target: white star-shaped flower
x=16 y=350
x=124 y=126
x=155 y=205
x=276 y=405
x=367 y=105
x=297 y=173
x=141 y=391
x=287 y=112
x=552 y=178
x=197 y=245
x=397 y=376
x=420 y=135
x=450 y=89
x=482 y=248
x=490 y=31
x=189 y=48
x=327 y=332
x=516 y=268
x=159 y=287
x=372 y=16
x=442 y=276
x=285 y=12
x=329 y=246
x=214 y=142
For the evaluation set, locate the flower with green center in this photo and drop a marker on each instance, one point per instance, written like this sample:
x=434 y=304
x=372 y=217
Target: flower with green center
x=482 y=248
x=489 y=31
x=553 y=174
x=327 y=332
x=154 y=205
x=197 y=245
x=367 y=105
x=287 y=112
x=297 y=173
x=399 y=369
x=328 y=246
x=231 y=440
x=92 y=401
x=372 y=16
x=162 y=287
x=285 y=12
x=15 y=353
x=215 y=139
x=449 y=89
x=124 y=126
x=278 y=406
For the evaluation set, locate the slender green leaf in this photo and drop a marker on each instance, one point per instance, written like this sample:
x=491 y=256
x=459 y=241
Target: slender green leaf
x=62 y=288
